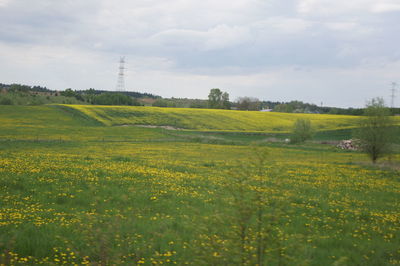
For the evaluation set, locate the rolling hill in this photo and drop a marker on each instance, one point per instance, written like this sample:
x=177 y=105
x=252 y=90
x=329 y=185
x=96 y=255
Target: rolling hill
x=209 y=119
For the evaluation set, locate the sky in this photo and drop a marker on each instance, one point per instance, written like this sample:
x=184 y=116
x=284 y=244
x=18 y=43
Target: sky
x=336 y=53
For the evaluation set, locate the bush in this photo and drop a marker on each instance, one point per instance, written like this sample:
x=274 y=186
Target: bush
x=6 y=101
x=160 y=103
x=302 y=131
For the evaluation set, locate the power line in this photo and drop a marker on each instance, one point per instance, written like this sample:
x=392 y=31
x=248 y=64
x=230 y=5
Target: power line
x=393 y=94
x=121 y=75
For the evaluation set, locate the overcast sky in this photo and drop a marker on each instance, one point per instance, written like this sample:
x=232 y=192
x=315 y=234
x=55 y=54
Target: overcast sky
x=340 y=53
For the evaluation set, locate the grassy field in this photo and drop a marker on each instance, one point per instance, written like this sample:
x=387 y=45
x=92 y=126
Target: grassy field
x=54 y=122
x=208 y=119
x=74 y=191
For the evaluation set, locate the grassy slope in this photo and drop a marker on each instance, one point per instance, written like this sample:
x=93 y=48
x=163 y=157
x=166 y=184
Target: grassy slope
x=207 y=119
x=55 y=122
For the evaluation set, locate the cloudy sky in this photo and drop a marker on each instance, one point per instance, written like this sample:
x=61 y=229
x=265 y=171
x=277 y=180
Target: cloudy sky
x=340 y=53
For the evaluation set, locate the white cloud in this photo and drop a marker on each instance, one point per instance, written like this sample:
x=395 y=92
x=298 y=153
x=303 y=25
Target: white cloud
x=219 y=37
x=223 y=36
x=4 y=3
x=342 y=26
x=388 y=6
x=283 y=24
x=328 y=7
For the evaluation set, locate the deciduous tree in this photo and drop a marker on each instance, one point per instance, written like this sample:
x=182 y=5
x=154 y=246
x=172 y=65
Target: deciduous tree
x=218 y=99
x=375 y=130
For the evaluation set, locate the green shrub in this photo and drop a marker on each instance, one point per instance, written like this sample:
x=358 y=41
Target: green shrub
x=302 y=131
x=6 y=101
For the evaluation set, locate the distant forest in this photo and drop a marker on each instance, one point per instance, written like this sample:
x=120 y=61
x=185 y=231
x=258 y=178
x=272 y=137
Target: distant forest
x=27 y=88
x=35 y=95
x=17 y=94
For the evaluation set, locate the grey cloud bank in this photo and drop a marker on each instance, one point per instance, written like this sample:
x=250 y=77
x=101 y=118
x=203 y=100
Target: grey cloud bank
x=341 y=53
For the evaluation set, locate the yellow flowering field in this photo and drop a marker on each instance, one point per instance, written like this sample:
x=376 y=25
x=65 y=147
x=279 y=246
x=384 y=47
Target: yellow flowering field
x=135 y=196
x=208 y=119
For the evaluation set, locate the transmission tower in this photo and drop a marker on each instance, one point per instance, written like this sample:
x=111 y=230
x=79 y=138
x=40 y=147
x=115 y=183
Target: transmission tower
x=393 y=94
x=121 y=78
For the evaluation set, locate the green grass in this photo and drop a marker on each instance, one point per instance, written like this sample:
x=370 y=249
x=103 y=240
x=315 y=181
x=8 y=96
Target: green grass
x=58 y=123
x=128 y=195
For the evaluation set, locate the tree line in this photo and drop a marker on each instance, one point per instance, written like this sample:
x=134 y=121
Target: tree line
x=17 y=94
x=101 y=98
x=217 y=99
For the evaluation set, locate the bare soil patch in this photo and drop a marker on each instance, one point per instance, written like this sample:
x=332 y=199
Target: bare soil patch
x=152 y=126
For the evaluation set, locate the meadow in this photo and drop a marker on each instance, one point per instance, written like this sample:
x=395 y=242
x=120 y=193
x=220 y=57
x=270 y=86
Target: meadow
x=209 y=119
x=75 y=189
